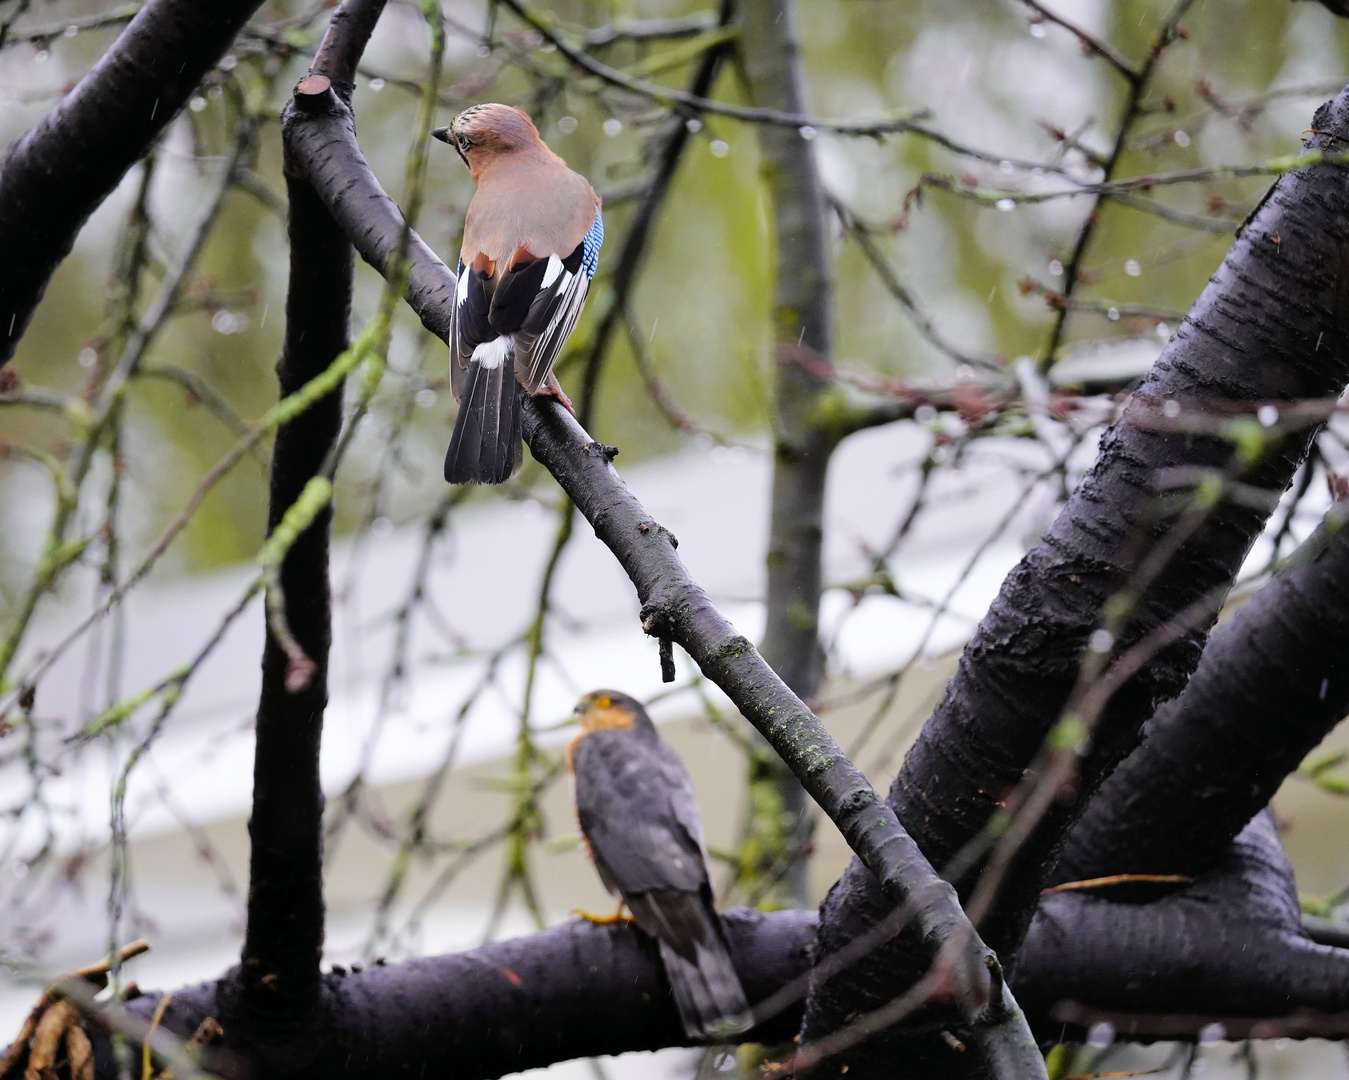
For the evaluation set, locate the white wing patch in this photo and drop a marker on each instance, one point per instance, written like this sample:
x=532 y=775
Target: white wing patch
x=551 y=271
x=461 y=286
x=572 y=288
x=492 y=354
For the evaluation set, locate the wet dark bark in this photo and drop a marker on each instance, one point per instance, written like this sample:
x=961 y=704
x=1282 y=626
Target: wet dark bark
x=1270 y=326
x=1228 y=949
x=323 y=142
x=56 y=175
x=577 y=990
x=802 y=319
x=1271 y=685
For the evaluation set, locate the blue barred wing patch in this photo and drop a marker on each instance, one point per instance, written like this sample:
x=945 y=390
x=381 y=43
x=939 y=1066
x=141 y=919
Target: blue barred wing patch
x=590 y=246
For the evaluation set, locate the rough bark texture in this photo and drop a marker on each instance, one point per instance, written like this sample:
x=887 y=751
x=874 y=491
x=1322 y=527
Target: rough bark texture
x=322 y=140
x=581 y=990
x=577 y=990
x=1272 y=683
x=802 y=318
x=55 y=176
x=1271 y=325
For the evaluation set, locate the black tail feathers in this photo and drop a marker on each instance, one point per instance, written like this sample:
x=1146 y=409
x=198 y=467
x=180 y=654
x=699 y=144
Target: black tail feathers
x=487 y=447
x=707 y=992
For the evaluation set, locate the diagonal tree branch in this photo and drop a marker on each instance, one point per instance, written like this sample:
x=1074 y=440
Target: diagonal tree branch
x=57 y=174
x=323 y=142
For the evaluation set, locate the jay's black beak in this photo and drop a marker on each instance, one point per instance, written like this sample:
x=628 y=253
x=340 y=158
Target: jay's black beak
x=443 y=134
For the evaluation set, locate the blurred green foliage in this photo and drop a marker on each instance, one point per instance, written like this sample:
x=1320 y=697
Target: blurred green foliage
x=988 y=75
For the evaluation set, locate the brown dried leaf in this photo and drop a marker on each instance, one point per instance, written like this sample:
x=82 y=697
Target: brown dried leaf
x=13 y=1057
x=47 y=1041
x=81 y=1053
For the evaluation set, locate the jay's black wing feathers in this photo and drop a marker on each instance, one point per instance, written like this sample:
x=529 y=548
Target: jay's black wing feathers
x=508 y=325
x=486 y=447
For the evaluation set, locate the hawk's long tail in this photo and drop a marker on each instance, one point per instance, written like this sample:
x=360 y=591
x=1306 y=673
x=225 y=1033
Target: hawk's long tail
x=708 y=993
x=486 y=446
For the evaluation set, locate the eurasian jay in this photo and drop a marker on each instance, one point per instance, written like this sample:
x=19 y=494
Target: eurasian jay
x=531 y=244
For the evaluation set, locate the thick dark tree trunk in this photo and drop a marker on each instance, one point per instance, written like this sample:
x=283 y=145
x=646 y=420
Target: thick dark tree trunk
x=1272 y=325
x=57 y=174
x=1228 y=949
x=1272 y=683
x=279 y=978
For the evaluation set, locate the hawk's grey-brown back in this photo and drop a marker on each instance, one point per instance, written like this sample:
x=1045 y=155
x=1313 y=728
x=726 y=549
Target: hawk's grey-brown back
x=638 y=813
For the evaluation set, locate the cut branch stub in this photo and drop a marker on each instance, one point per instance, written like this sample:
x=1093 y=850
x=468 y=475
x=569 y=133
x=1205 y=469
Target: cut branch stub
x=311 y=87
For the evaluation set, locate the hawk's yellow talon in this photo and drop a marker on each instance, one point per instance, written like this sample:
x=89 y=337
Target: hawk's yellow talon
x=602 y=920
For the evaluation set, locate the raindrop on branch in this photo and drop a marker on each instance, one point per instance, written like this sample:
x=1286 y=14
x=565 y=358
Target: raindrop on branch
x=1101 y=1034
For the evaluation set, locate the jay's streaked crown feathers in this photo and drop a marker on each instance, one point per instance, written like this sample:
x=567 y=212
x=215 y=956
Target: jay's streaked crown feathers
x=531 y=244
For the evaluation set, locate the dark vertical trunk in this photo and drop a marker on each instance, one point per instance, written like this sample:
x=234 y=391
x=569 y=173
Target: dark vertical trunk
x=279 y=978
x=802 y=319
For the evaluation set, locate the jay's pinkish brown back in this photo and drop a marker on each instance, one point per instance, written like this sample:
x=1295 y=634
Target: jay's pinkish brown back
x=531 y=244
